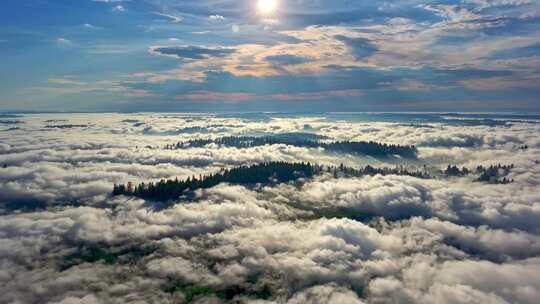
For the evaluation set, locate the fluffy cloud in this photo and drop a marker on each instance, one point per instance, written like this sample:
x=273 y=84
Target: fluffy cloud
x=190 y=52
x=395 y=44
x=379 y=239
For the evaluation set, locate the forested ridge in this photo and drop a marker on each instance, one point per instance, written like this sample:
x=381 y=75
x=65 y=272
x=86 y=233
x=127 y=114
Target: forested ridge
x=265 y=173
x=370 y=148
x=494 y=174
x=282 y=172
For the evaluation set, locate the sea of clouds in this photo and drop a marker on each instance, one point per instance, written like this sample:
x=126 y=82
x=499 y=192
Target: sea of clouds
x=374 y=239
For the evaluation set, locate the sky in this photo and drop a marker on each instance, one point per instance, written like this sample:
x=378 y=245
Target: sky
x=296 y=55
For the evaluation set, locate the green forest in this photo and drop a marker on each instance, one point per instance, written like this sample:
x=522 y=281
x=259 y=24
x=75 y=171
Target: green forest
x=374 y=149
x=282 y=172
x=265 y=173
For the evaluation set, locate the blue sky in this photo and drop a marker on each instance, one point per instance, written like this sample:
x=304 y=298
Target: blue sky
x=305 y=55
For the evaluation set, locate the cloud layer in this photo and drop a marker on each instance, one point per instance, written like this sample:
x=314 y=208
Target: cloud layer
x=380 y=239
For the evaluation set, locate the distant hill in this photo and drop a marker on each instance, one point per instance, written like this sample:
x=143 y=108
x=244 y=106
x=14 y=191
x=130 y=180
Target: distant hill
x=283 y=172
x=265 y=173
x=374 y=149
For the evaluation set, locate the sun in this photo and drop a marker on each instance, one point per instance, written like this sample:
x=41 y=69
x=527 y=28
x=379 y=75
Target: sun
x=267 y=7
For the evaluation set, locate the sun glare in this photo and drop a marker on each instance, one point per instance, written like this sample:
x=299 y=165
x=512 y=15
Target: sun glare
x=267 y=7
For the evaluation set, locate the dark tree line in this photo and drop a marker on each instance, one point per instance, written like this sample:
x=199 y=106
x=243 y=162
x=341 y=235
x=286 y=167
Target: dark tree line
x=274 y=172
x=344 y=171
x=494 y=174
x=371 y=148
x=67 y=126
x=265 y=173
x=455 y=171
x=282 y=172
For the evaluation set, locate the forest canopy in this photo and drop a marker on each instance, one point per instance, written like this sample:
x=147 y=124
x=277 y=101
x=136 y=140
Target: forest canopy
x=371 y=148
x=282 y=172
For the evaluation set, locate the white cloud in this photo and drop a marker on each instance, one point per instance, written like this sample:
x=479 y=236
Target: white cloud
x=216 y=18
x=431 y=241
x=173 y=18
x=119 y=8
x=325 y=294
x=90 y=26
x=64 y=41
